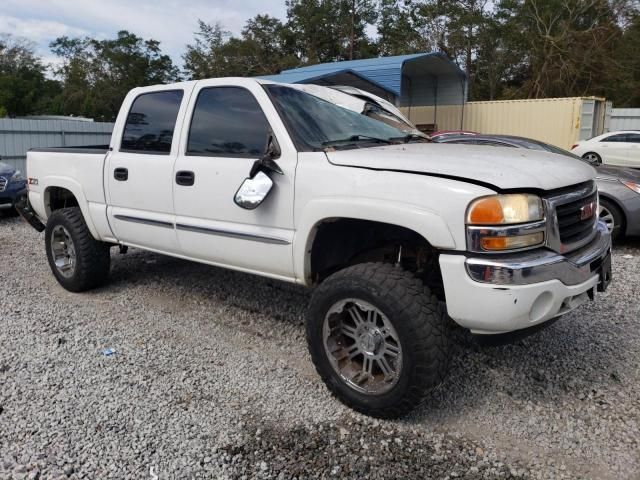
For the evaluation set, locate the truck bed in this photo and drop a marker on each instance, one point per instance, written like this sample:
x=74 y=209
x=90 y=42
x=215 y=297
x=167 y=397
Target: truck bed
x=77 y=169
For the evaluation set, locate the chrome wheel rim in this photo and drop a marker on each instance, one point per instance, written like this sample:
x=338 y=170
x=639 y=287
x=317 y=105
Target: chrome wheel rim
x=362 y=346
x=605 y=215
x=592 y=157
x=63 y=251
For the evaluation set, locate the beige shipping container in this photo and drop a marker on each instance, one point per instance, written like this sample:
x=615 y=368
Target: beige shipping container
x=558 y=121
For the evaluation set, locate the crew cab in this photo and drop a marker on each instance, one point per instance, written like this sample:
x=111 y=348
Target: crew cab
x=397 y=236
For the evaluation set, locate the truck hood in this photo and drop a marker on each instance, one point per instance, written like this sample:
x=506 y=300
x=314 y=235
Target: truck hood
x=500 y=167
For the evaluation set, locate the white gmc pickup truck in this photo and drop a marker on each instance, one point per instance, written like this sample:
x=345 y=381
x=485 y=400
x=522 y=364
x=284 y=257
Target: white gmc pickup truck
x=397 y=236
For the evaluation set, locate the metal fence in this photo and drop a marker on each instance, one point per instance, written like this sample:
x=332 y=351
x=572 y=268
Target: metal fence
x=624 y=119
x=17 y=136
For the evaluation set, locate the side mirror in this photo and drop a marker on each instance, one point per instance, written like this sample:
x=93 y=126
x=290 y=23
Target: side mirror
x=267 y=162
x=253 y=191
x=256 y=187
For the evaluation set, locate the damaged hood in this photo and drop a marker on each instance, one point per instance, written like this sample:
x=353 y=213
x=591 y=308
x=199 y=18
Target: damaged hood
x=501 y=167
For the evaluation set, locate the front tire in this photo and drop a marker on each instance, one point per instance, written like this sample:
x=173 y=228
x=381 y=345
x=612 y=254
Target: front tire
x=378 y=338
x=78 y=261
x=611 y=214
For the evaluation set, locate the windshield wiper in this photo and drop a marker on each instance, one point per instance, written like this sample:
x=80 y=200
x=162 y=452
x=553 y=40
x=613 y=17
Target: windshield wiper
x=359 y=138
x=411 y=136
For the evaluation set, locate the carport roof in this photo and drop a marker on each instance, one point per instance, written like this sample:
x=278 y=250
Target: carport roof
x=385 y=72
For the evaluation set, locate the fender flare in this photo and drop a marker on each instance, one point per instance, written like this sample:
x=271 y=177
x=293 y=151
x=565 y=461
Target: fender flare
x=76 y=189
x=431 y=226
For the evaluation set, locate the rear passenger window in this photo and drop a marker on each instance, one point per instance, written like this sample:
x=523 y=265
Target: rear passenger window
x=227 y=122
x=151 y=122
x=622 y=137
x=633 y=137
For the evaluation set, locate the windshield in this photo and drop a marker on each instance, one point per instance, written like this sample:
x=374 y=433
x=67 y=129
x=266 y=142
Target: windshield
x=378 y=113
x=319 y=124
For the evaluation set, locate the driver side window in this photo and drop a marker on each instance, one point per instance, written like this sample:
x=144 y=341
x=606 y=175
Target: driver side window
x=227 y=122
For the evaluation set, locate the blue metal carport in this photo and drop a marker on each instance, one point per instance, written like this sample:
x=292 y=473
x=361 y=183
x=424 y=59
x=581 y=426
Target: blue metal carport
x=420 y=79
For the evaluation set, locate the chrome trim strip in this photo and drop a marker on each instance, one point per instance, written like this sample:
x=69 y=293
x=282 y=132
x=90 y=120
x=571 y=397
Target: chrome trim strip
x=144 y=221
x=233 y=234
x=553 y=233
x=541 y=265
x=476 y=232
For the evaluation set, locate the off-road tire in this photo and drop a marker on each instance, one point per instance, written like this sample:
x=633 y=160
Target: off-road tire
x=92 y=257
x=419 y=319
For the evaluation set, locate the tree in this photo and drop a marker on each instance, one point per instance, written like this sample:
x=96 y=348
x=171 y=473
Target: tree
x=453 y=27
x=24 y=89
x=624 y=90
x=261 y=50
x=397 y=31
x=565 y=46
x=331 y=30
x=97 y=74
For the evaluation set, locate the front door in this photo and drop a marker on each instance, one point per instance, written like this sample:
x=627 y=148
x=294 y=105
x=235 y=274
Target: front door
x=139 y=171
x=228 y=131
x=614 y=149
x=633 y=150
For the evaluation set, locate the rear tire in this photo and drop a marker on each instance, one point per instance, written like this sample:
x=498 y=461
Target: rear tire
x=415 y=351
x=592 y=157
x=611 y=214
x=78 y=261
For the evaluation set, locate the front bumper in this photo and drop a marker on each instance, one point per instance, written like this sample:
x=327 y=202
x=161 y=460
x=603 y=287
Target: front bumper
x=9 y=195
x=499 y=294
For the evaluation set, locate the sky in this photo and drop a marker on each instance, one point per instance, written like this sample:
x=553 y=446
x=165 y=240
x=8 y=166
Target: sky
x=172 y=22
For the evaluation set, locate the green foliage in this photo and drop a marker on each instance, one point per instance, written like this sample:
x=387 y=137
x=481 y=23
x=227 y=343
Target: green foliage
x=399 y=29
x=261 y=50
x=509 y=49
x=97 y=74
x=24 y=89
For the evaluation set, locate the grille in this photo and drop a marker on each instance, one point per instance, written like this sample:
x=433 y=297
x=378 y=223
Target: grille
x=571 y=226
x=574 y=217
x=3 y=184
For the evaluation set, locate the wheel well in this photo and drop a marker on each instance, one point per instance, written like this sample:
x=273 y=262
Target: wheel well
x=342 y=242
x=617 y=205
x=58 y=197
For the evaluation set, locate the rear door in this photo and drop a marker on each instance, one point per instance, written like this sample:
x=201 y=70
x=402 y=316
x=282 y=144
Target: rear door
x=139 y=169
x=226 y=131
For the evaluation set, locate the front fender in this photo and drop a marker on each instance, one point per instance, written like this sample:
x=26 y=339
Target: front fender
x=428 y=224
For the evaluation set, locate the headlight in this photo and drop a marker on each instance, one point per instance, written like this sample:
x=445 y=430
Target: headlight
x=505 y=210
x=505 y=223
x=16 y=177
x=632 y=185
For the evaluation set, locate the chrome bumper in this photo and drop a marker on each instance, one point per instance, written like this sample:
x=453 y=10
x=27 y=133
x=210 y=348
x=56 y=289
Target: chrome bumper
x=536 y=266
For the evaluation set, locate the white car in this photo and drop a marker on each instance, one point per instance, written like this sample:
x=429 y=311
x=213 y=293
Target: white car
x=397 y=236
x=612 y=148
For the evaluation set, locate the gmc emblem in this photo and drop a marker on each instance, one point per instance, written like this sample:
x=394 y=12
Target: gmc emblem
x=587 y=211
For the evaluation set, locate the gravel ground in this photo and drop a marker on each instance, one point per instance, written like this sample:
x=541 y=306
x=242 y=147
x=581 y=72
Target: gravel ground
x=211 y=379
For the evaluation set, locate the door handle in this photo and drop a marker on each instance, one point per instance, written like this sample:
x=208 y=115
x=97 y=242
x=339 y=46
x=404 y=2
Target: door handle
x=185 y=178
x=121 y=174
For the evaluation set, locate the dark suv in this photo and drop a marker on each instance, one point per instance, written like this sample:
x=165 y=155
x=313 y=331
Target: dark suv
x=12 y=182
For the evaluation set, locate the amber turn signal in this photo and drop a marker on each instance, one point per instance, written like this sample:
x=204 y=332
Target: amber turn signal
x=493 y=244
